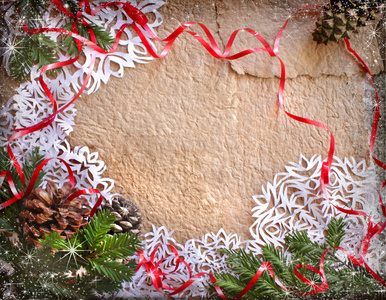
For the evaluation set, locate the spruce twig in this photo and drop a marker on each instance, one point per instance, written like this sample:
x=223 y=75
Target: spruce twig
x=344 y=278
x=41 y=50
x=8 y=216
x=103 y=38
x=44 y=273
x=98 y=252
x=30 y=50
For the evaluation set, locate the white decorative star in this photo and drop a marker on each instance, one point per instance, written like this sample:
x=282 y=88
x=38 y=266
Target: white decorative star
x=73 y=251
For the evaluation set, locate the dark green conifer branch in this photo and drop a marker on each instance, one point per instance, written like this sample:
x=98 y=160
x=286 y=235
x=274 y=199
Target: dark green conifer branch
x=8 y=216
x=75 y=268
x=39 y=49
x=343 y=277
x=90 y=262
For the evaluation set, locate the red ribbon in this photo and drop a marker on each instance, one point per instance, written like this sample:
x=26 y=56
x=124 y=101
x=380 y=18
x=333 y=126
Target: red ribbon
x=215 y=51
x=19 y=132
x=138 y=17
x=22 y=194
x=155 y=275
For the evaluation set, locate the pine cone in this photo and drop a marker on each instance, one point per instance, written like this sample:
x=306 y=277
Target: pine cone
x=127 y=214
x=342 y=16
x=49 y=210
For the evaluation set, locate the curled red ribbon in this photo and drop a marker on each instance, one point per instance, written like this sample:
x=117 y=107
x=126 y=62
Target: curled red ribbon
x=139 y=18
x=19 y=132
x=155 y=275
x=214 y=50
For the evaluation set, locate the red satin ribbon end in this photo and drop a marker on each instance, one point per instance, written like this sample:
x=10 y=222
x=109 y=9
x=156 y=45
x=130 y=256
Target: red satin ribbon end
x=135 y=14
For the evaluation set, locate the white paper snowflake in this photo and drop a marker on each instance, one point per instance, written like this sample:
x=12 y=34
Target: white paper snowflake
x=30 y=104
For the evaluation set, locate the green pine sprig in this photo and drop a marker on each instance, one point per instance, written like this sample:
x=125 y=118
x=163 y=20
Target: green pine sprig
x=29 y=166
x=30 y=50
x=30 y=10
x=110 y=269
x=41 y=50
x=96 y=230
x=336 y=233
x=117 y=247
x=71 y=5
x=40 y=273
x=8 y=216
x=43 y=273
x=103 y=38
x=98 y=252
x=343 y=277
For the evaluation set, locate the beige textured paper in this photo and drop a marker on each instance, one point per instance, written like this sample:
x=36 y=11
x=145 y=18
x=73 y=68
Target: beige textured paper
x=189 y=139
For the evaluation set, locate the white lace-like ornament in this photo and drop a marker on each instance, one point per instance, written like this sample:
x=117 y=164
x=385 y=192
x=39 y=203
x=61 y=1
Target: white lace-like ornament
x=200 y=254
x=30 y=104
x=293 y=200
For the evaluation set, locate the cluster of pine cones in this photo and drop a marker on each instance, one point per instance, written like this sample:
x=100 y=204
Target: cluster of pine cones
x=339 y=17
x=49 y=210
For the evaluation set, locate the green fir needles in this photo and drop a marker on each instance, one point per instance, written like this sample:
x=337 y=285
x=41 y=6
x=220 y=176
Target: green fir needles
x=343 y=277
x=30 y=50
x=27 y=50
x=89 y=263
x=8 y=216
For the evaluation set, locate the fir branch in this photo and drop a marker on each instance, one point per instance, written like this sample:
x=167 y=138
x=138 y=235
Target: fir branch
x=68 y=288
x=115 y=271
x=279 y=262
x=300 y=244
x=29 y=166
x=9 y=216
x=31 y=10
x=344 y=278
x=6 y=165
x=107 y=286
x=246 y=265
x=4 y=159
x=119 y=246
x=96 y=230
x=71 y=5
x=40 y=49
x=53 y=241
x=103 y=38
x=97 y=252
x=43 y=273
x=32 y=49
x=4 y=225
x=8 y=252
x=335 y=232
x=228 y=283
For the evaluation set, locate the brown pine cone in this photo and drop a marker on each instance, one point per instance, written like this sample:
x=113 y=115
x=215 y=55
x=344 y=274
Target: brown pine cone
x=127 y=214
x=49 y=210
x=341 y=17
